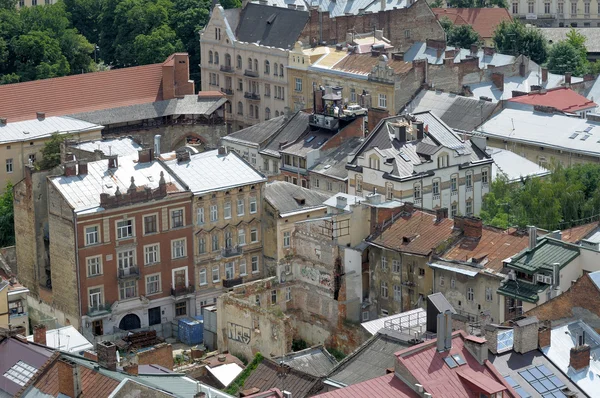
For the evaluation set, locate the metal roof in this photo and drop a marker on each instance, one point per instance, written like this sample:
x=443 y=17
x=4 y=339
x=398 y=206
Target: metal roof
x=287 y=197
x=295 y=128
x=419 y=50
x=66 y=339
x=545 y=253
x=464 y=270
x=258 y=133
x=440 y=302
x=522 y=290
x=225 y=373
x=43 y=128
x=316 y=361
x=12 y=351
x=120 y=146
x=512 y=166
x=208 y=171
x=333 y=164
x=412 y=316
x=351 y=200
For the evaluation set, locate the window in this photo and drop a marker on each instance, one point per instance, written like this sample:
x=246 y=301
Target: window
x=240 y=88
x=181 y=308
x=152 y=284
x=417 y=190
x=397 y=293
x=228 y=240
x=253 y=235
x=257 y=300
x=176 y=218
x=216 y=58
x=329 y=185
x=384 y=289
x=469 y=208
x=384 y=263
x=530 y=7
x=178 y=248
x=454 y=183
x=202 y=277
x=298 y=84
x=421 y=271
x=200 y=216
x=286 y=239
x=124 y=229
x=256 y=113
x=407 y=33
x=31 y=158
x=256 y=65
x=275 y=69
x=273 y=296
x=586 y=8
x=436 y=188
x=9 y=165
x=20 y=373
x=561 y=7
x=127 y=289
x=452 y=283
x=266 y=164
x=442 y=281
x=253 y=204
x=396 y=266
x=241 y=237
x=281 y=70
x=254 y=264
x=453 y=209
x=154 y=316
x=243 y=270
x=125 y=259
x=382 y=101
x=229 y=270
x=574 y=8
x=240 y=108
x=374 y=162
x=150 y=224
x=253 y=156
x=470 y=294
x=91 y=235
x=358 y=184
x=227 y=210
x=201 y=245
x=251 y=111
x=469 y=180
x=267 y=67
x=389 y=191
x=515 y=8
x=215 y=274
x=484 y=176
x=94 y=265
x=288 y=293
x=267 y=111
x=268 y=94
x=214 y=214
x=239 y=62
x=546 y=8
x=488 y=294
x=210 y=57
x=151 y=254
x=227 y=59
x=96 y=300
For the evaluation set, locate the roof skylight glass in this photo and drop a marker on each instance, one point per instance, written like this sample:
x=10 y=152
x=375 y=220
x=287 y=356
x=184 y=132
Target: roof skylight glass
x=20 y=373
x=544 y=381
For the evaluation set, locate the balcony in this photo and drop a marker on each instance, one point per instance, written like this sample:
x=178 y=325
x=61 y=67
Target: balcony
x=226 y=68
x=227 y=91
x=232 y=282
x=251 y=73
x=131 y=272
x=252 y=96
x=99 y=310
x=182 y=290
x=231 y=251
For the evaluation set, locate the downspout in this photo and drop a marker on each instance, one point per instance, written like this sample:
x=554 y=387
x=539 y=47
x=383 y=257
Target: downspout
x=75 y=230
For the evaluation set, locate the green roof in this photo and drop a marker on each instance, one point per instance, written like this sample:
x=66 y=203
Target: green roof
x=547 y=252
x=522 y=290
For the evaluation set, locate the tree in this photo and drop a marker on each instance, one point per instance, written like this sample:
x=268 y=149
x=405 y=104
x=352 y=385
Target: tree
x=514 y=38
x=7 y=223
x=156 y=46
x=462 y=36
x=566 y=58
x=39 y=56
x=51 y=152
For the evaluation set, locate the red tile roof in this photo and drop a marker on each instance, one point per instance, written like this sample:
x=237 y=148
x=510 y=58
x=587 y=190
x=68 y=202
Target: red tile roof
x=418 y=233
x=561 y=98
x=494 y=246
x=81 y=93
x=483 y=20
x=387 y=386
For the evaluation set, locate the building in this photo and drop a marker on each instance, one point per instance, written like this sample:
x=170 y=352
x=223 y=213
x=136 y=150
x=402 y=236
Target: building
x=556 y=14
x=23 y=141
x=512 y=167
x=592 y=38
x=418 y=158
x=329 y=176
x=18 y=311
x=227 y=211
x=33 y=3
x=316 y=361
x=562 y=99
x=244 y=53
x=285 y=204
x=483 y=20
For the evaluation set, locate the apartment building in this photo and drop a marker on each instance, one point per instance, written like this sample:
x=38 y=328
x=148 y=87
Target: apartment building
x=227 y=212
x=244 y=54
x=557 y=13
x=418 y=158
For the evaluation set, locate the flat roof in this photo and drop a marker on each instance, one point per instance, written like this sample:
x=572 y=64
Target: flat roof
x=120 y=146
x=43 y=128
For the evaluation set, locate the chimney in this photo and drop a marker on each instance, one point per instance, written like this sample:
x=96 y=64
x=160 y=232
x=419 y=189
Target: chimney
x=287 y=394
x=113 y=161
x=131 y=369
x=579 y=357
x=82 y=168
x=448 y=330
x=402 y=133
x=525 y=334
x=474 y=49
x=498 y=80
x=441 y=328
x=3 y=121
x=107 y=355
x=419 y=125
x=489 y=51
x=40 y=116
x=341 y=201
x=472 y=227
x=145 y=155
x=568 y=77
x=441 y=213
x=69 y=380
x=532 y=231
x=522 y=69
x=544 y=75
x=70 y=168
x=544 y=334
x=157 y=144
x=39 y=334
x=478 y=347
x=382 y=4
x=222 y=150
x=409 y=207
x=182 y=155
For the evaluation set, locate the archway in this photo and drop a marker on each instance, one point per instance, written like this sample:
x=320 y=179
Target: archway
x=130 y=322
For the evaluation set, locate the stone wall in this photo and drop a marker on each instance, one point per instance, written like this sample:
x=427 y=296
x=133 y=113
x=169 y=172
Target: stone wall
x=160 y=354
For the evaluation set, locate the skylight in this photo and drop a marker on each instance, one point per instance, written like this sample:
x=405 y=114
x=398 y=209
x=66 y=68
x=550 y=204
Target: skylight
x=450 y=362
x=309 y=139
x=459 y=360
x=20 y=373
x=522 y=393
x=454 y=361
x=573 y=136
x=544 y=381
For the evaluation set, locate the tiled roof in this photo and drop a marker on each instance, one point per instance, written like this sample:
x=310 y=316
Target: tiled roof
x=81 y=93
x=490 y=250
x=265 y=377
x=388 y=386
x=522 y=290
x=316 y=361
x=363 y=64
x=483 y=20
x=545 y=253
x=417 y=233
x=561 y=98
x=286 y=197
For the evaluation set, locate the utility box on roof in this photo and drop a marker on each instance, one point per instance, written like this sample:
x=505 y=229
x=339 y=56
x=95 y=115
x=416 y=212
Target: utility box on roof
x=191 y=330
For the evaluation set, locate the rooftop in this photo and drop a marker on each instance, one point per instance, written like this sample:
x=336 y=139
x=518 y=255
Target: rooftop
x=19 y=363
x=225 y=373
x=288 y=198
x=419 y=50
x=43 y=128
x=259 y=133
x=82 y=93
x=333 y=164
x=408 y=319
x=483 y=20
x=295 y=127
x=576 y=234
x=592 y=36
x=388 y=386
x=208 y=171
x=120 y=146
x=363 y=64
x=339 y=8
x=561 y=98
x=351 y=200
x=546 y=252
x=316 y=361
x=66 y=339
x=512 y=166
x=529 y=292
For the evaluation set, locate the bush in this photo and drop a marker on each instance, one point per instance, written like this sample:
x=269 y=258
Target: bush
x=238 y=384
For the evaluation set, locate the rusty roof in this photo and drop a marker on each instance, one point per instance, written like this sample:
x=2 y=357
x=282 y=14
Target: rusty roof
x=300 y=384
x=494 y=246
x=363 y=64
x=417 y=233
x=81 y=93
x=575 y=234
x=388 y=386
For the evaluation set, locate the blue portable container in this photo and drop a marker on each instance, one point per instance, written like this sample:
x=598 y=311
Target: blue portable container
x=191 y=331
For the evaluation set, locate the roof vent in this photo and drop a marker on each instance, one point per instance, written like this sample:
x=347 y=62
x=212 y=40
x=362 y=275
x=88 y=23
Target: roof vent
x=3 y=121
x=271 y=19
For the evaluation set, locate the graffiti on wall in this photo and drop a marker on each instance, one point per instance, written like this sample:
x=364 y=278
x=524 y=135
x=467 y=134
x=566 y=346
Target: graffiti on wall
x=239 y=333
x=316 y=276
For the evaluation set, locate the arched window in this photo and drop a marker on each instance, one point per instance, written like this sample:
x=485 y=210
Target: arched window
x=210 y=57
x=267 y=68
x=389 y=191
x=374 y=162
x=216 y=58
x=267 y=113
x=256 y=112
x=276 y=113
x=239 y=62
x=417 y=191
x=251 y=113
x=358 y=185
x=275 y=69
x=227 y=59
x=281 y=70
x=240 y=108
x=249 y=63
x=256 y=64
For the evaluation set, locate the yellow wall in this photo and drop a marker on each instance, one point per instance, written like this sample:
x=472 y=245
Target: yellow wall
x=4 y=307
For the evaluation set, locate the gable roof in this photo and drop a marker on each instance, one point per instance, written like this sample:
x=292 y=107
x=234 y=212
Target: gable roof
x=545 y=253
x=388 y=386
x=81 y=93
x=13 y=352
x=483 y=20
x=561 y=98
x=333 y=163
x=299 y=383
x=291 y=132
x=270 y=26
x=316 y=361
x=288 y=198
x=258 y=133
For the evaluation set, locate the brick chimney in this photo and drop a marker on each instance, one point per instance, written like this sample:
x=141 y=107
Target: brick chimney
x=489 y=50
x=3 y=121
x=544 y=335
x=107 y=355
x=176 y=77
x=579 y=357
x=474 y=49
x=82 y=168
x=544 y=75
x=69 y=380
x=478 y=347
x=182 y=156
x=441 y=213
x=498 y=80
x=40 y=116
x=131 y=369
x=472 y=227
x=409 y=207
x=145 y=155
x=113 y=161
x=568 y=77
x=39 y=334
x=70 y=168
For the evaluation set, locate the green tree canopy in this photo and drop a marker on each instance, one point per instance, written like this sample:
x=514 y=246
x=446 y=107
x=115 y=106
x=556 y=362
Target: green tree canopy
x=515 y=38
x=564 y=57
x=51 y=152
x=156 y=46
x=7 y=219
x=462 y=36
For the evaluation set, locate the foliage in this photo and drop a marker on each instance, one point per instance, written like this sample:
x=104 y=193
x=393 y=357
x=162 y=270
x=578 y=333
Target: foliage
x=570 y=196
x=238 y=384
x=337 y=354
x=51 y=152
x=241 y=358
x=514 y=38
x=462 y=36
x=477 y=3
x=7 y=223
x=437 y=4
x=299 y=345
x=570 y=55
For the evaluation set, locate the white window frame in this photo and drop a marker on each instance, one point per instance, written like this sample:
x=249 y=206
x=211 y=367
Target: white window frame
x=241 y=237
x=124 y=286
x=126 y=257
x=384 y=289
x=155 y=215
x=484 y=176
x=397 y=293
x=469 y=180
x=95 y=291
x=288 y=293
x=202 y=278
x=214 y=239
x=215 y=274
x=152 y=250
x=241 y=207
x=470 y=294
x=200 y=216
x=92 y=238
x=287 y=238
x=298 y=86
x=214 y=213
x=178 y=248
x=9 y=165
x=255 y=264
x=253 y=204
x=157 y=282
x=435 y=188
x=227 y=210
x=382 y=102
x=396 y=266
x=243 y=267
x=384 y=263
x=202 y=245
x=253 y=231
x=120 y=229
x=230 y=270
x=97 y=264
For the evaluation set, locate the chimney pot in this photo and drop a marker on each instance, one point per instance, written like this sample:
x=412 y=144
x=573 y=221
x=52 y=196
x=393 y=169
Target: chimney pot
x=39 y=334
x=579 y=357
x=70 y=168
x=107 y=355
x=474 y=49
x=441 y=213
x=82 y=168
x=532 y=231
x=113 y=161
x=40 y=115
x=145 y=155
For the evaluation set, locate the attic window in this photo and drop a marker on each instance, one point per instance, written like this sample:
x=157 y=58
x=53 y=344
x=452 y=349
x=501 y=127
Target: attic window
x=458 y=359
x=450 y=362
x=271 y=19
x=300 y=201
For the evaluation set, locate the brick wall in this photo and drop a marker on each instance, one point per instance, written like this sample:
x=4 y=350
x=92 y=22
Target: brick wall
x=354 y=129
x=160 y=354
x=579 y=357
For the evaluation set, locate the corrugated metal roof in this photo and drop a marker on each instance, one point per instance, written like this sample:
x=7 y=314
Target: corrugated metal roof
x=316 y=361
x=561 y=98
x=545 y=253
x=66 y=339
x=440 y=302
x=43 y=128
x=121 y=146
x=266 y=376
x=287 y=197
x=388 y=386
x=413 y=318
x=257 y=134
x=522 y=290
x=512 y=166
x=333 y=164
x=454 y=268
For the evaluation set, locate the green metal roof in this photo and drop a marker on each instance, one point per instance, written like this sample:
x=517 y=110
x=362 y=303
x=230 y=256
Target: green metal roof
x=522 y=290
x=546 y=253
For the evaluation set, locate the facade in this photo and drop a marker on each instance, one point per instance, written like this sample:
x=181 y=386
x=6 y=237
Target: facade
x=227 y=212
x=556 y=13
x=18 y=311
x=33 y=3
x=418 y=158
x=244 y=54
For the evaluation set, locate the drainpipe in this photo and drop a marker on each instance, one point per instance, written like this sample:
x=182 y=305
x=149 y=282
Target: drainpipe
x=77 y=269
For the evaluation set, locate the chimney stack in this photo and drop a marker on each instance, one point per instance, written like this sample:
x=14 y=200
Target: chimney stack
x=409 y=207
x=544 y=75
x=472 y=227
x=69 y=380
x=222 y=150
x=474 y=49
x=568 y=77
x=40 y=115
x=145 y=155
x=70 y=168
x=401 y=133
x=182 y=155
x=39 y=334
x=498 y=80
x=3 y=121
x=82 y=167
x=419 y=126
x=478 y=347
x=113 y=161
x=341 y=201
x=579 y=358
x=532 y=231
x=107 y=355
x=441 y=213
x=131 y=369
x=544 y=334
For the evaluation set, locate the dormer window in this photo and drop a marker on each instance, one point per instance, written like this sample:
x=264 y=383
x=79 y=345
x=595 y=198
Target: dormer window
x=374 y=162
